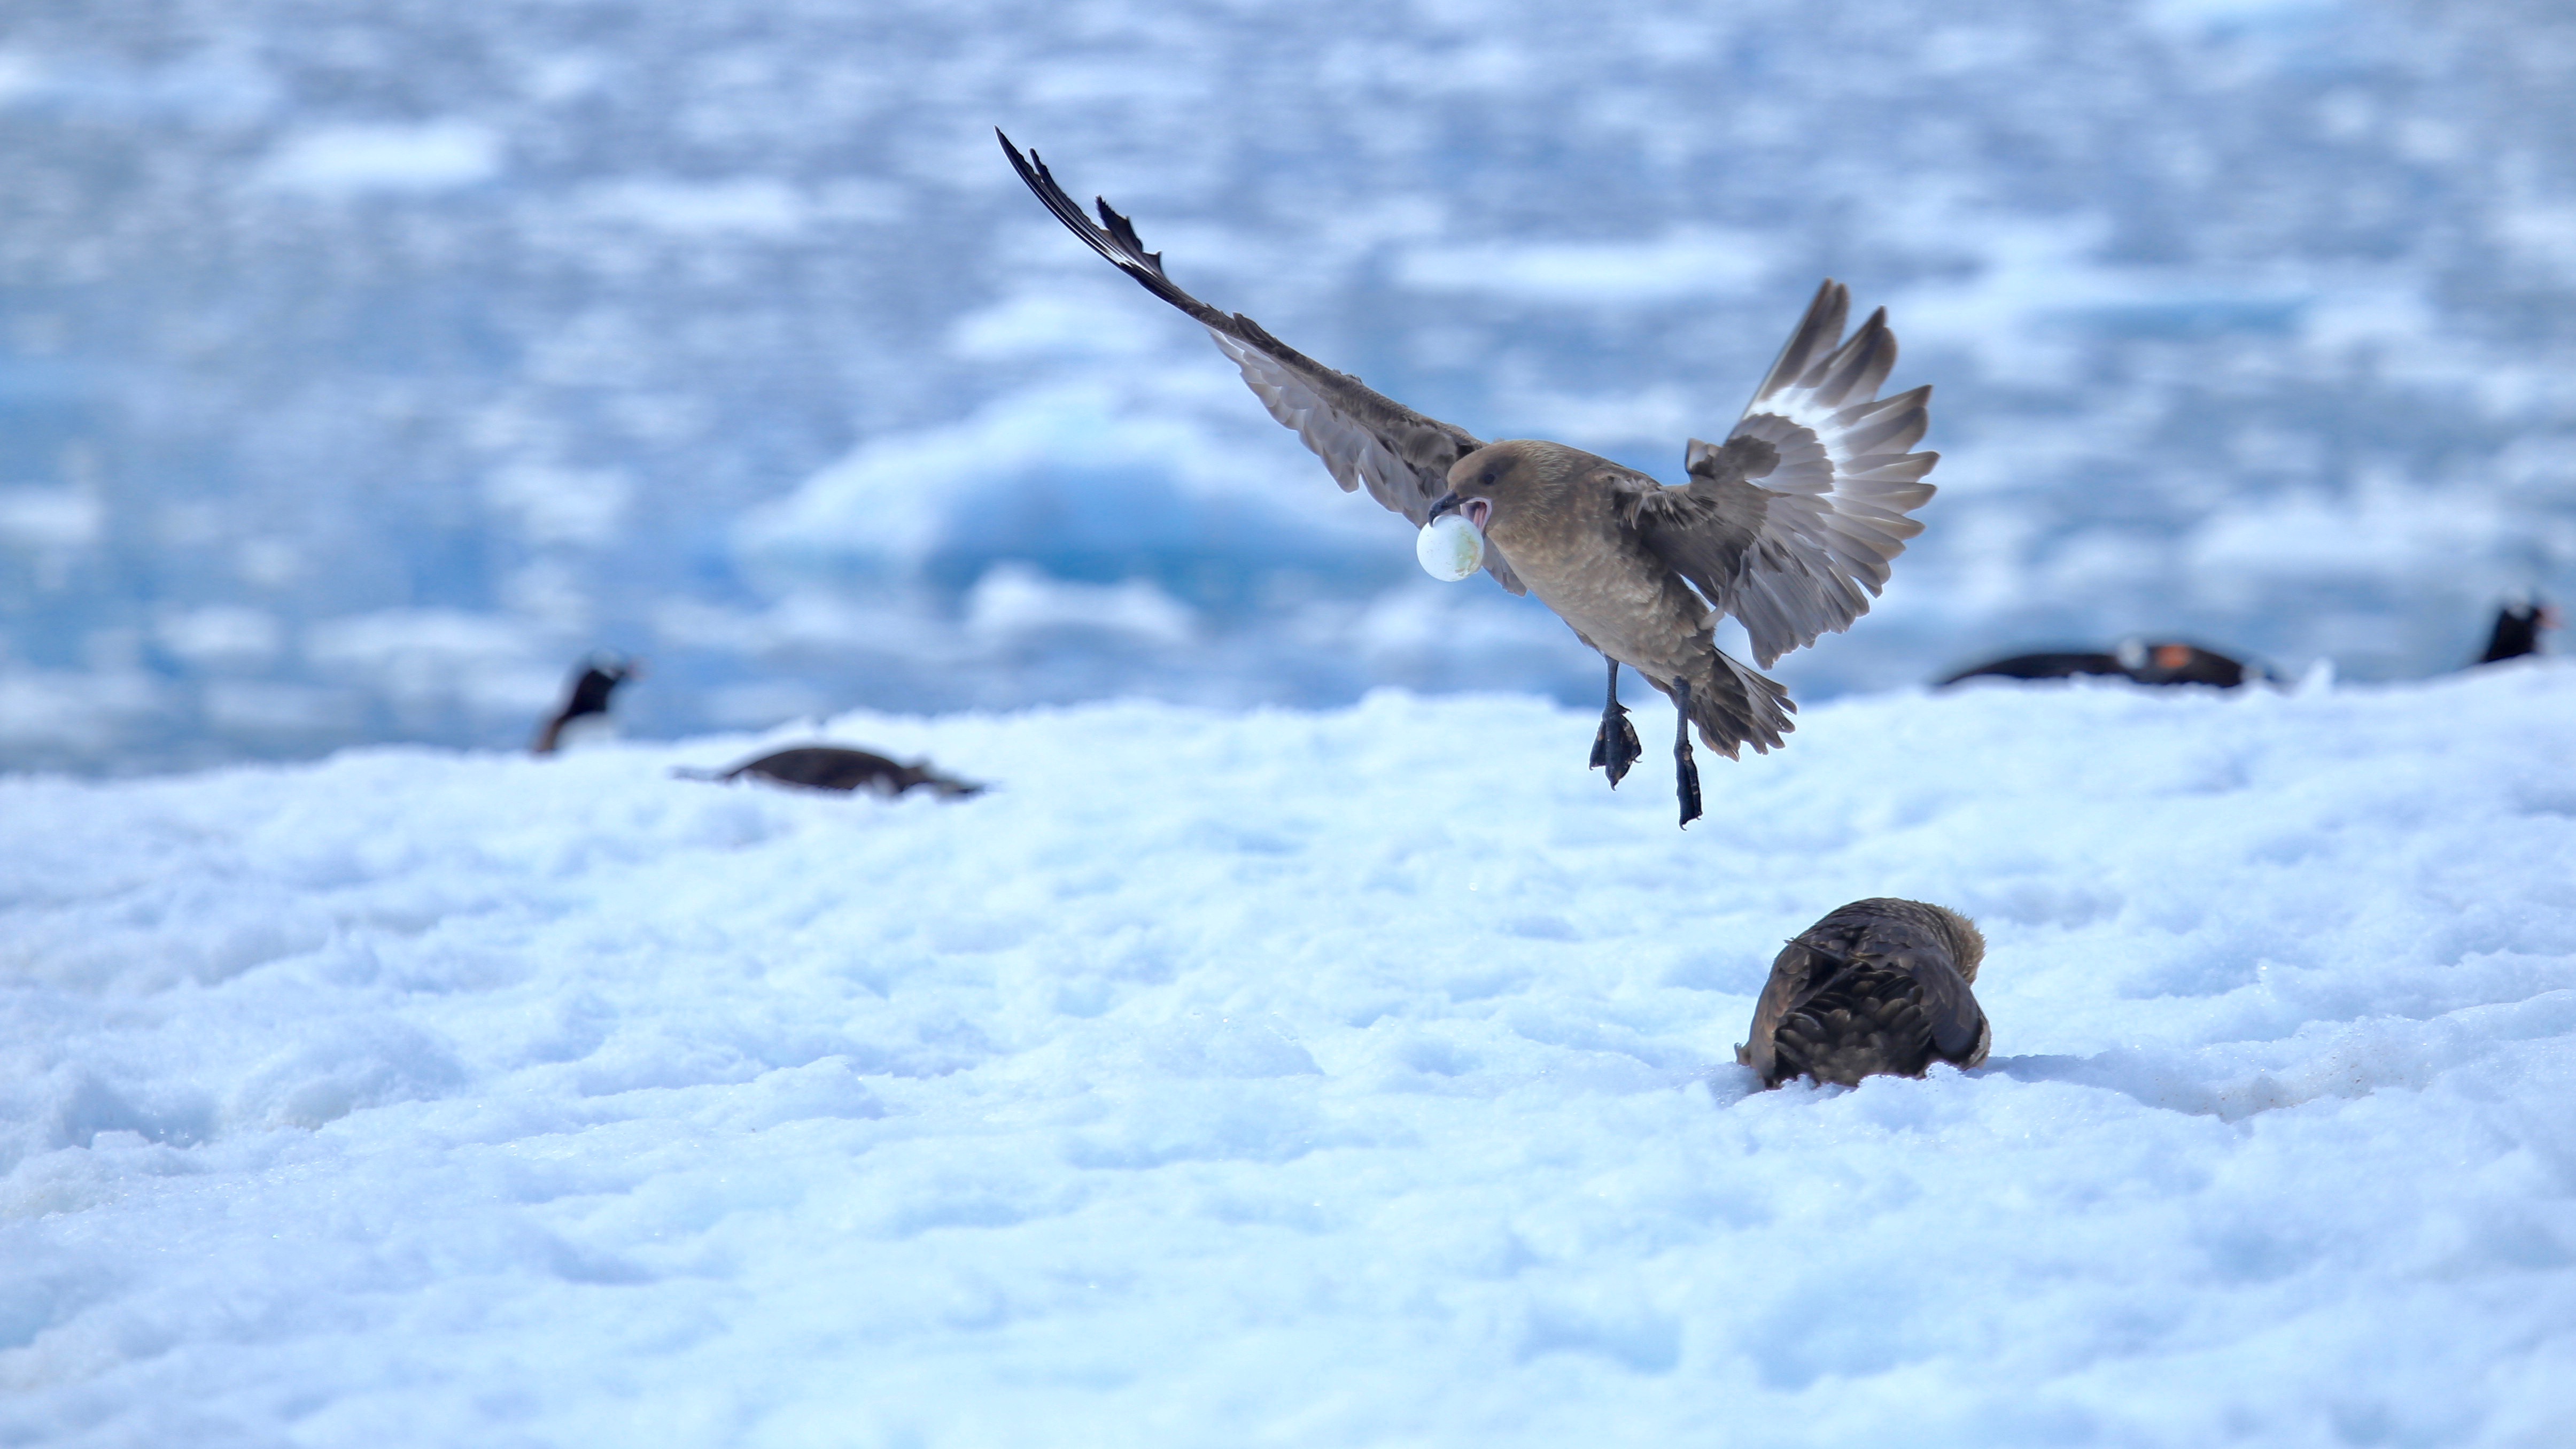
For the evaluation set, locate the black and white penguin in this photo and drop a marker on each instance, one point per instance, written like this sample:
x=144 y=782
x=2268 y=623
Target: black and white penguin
x=584 y=716
x=1878 y=986
x=831 y=767
x=2517 y=630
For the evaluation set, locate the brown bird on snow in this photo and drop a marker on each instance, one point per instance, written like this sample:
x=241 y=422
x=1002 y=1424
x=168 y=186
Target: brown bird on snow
x=1877 y=986
x=1795 y=554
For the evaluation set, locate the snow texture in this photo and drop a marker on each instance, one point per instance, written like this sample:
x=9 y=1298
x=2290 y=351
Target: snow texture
x=1333 y=1078
x=364 y=365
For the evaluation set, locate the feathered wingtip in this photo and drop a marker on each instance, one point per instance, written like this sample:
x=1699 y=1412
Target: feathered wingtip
x=1123 y=231
x=1817 y=331
x=1113 y=236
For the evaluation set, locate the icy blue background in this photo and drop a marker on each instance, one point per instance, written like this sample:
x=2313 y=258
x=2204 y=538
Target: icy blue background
x=361 y=367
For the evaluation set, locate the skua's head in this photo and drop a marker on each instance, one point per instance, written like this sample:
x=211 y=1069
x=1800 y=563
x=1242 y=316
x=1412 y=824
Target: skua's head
x=1504 y=478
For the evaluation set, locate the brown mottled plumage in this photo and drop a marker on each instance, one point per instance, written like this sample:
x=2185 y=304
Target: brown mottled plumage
x=1618 y=555
x=1878 y=986
x=1569 y=523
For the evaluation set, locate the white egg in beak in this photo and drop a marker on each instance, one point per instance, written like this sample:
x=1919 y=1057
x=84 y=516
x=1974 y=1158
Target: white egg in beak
x=1450 y=548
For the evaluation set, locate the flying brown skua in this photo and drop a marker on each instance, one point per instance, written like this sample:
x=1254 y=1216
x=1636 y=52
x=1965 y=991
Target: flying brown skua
x=1617 y=555
x=1876 y=986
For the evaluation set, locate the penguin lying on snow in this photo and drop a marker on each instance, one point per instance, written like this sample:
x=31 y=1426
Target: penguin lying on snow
x=585 y=709
x=830 y=767
x=1878 y=986
x=2159 y=663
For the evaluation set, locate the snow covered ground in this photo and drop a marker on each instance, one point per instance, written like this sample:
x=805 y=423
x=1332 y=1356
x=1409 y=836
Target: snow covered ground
x=1305 y=1078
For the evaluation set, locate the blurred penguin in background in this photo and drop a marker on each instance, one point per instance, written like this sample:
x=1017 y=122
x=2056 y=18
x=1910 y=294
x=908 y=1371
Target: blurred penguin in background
x=1879 y=986
x=2172 y=663
x=584 y=720
x=2167 y=662
x=2517 y=630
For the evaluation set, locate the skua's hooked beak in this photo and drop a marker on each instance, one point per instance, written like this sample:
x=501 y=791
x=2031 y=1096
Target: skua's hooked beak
x=1474 y=510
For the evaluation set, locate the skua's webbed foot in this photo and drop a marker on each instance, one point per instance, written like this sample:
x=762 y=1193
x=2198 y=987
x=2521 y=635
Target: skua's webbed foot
x=1685 y=765
x=1615 y=748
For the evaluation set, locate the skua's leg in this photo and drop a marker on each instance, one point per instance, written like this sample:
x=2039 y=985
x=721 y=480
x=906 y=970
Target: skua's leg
x=1615 y=748
x=1685 y=767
